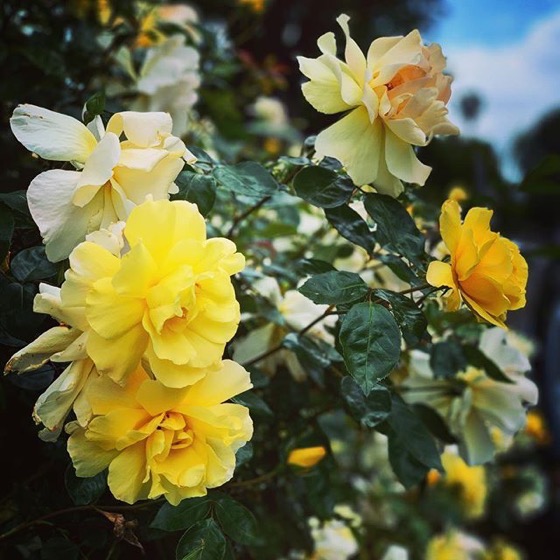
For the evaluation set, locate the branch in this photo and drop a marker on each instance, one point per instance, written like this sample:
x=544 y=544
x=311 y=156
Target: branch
x=248 y=212
x=275 y=349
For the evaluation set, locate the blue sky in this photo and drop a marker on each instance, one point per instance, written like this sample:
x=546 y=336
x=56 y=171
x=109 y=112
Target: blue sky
x=508 y=51
x=489 y=22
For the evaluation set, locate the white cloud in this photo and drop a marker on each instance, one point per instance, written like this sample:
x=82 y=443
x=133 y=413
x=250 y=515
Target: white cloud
x=518 y=83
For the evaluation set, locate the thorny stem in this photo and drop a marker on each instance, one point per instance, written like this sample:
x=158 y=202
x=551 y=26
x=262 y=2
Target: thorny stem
x=275 y=349
x=75 y=509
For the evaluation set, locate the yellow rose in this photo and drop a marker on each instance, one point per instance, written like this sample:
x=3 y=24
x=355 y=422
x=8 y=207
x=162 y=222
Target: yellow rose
x=486 y=270
x=166 y=299
x=454 y=545
x=396 y=96
x=306 y=457
x=159 y=441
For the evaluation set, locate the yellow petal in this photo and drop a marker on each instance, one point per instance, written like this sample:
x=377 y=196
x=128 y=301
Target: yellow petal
x=87 y=457
x=450 y=224
x=220 y=384
x=356 y=143
x=126 y=474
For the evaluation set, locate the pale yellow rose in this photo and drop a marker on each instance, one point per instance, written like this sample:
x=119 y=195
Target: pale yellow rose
x=396 y=98
x=159 y=441
x=486 y=270
x=116 y=169
x=333 y=540
x=472 y=404
x=166 y=298
x=306 y=457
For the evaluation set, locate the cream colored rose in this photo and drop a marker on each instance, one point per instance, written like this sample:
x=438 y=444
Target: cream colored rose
x=395 y=98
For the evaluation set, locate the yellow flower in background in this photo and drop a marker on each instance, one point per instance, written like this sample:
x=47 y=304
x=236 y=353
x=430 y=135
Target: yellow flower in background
x=256 y=6
x=486 y=270
x=159 y=441
x=116 y=169
x=536 y=427
x=168 y=300
x=469 y=483
x=454 y=545
x=152 y=17
x=459 y=194
x=333 y=540
x=396 y=96
x=306 y=457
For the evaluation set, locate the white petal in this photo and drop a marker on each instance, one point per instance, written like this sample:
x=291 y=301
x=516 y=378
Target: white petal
x=62 y=224
x=354 y=56
x=51 y=135
x=97 y=170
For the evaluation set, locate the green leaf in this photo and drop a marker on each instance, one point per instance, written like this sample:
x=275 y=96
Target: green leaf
x=412 y=450
x=396 y=230
x=244 y=454
x=351 y=226
x=84 y=491
x=400 y=268
x=408 y=315
x=306 y=267
x=203 y=541
x=254 y=403
x=198 y=189
x=181 y=516
x=31 y=264
x=201 y=155
x=17 y=201
x=322 y=187
x=6 y=230
x=248 y=178
x=371 y=343
x=371 y=410
x=435 y=423
x=236 y=520
x=478 y=359
x=447 y=359
x=95 y=105
x=334 y=287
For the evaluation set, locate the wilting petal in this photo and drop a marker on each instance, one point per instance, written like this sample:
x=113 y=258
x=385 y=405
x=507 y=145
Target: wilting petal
x=51 y=135
x=39 y=352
